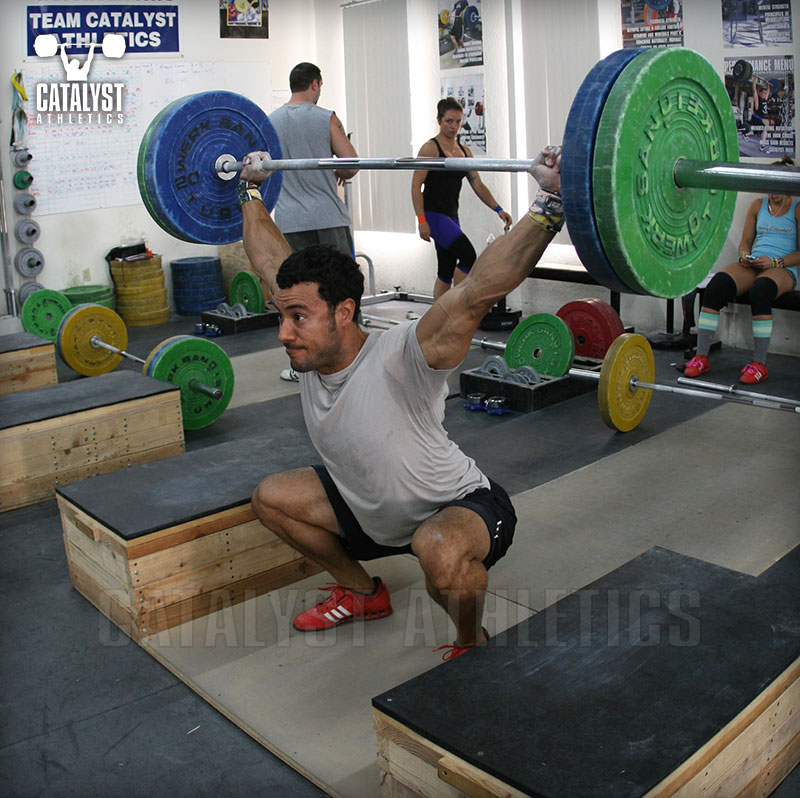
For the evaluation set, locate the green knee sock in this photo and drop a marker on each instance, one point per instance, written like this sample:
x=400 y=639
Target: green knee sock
x=762 y=332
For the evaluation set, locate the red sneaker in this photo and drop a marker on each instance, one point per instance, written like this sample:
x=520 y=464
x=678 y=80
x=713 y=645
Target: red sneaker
x=453 y=650
x=344 y=605
x=696 y=366
x=753 y=372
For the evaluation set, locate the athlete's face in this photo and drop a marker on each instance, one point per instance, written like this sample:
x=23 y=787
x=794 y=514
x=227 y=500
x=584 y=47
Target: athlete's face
x=308 y=330
x=450 y=123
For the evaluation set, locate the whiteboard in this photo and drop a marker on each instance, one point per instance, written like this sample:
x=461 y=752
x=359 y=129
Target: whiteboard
x=85 y=165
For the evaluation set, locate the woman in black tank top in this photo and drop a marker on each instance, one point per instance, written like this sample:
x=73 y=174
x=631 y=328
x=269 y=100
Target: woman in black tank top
x=435 y=197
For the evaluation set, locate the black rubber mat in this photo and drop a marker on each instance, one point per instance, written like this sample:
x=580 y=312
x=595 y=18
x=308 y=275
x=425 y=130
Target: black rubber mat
x=16 y=341
x=609 y=690
x=62 y=399
x=157 y=495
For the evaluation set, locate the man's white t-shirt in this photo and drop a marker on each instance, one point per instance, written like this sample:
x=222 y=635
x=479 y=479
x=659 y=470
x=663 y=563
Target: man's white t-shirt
x=377 y=425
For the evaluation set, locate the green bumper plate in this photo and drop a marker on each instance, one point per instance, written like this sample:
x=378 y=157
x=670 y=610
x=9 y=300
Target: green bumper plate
x=667 y=104
x=542 y=341
x=185 y=358
x=246 y=290
x=43 y=311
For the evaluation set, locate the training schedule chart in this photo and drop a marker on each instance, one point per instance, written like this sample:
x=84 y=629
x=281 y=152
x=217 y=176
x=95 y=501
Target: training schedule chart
x=85 y=138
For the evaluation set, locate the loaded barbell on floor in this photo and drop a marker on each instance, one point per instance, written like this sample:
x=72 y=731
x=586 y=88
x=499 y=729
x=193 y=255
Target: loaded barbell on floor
x=91 y=339
x=649 y=165
x=626 y=377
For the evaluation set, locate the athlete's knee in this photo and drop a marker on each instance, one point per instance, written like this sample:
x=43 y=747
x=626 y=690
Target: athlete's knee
x=721 y=290
x=267 y=500
x=444 y=554
x=437 y=559
x=761 y=295
x=267 y=505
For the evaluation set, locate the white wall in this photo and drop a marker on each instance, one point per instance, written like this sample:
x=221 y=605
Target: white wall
x=74 y=244
x=536 y=54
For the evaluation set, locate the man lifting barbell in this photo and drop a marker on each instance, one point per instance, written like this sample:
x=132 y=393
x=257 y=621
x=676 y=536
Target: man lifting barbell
x=402 y=487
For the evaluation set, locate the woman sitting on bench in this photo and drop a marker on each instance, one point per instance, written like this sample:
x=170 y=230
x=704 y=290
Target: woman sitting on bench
x=767 y=268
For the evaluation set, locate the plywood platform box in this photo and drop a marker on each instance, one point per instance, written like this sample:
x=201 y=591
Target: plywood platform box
x=182 y=541
x=68 y=432
x=26 y=362
x=668 y=677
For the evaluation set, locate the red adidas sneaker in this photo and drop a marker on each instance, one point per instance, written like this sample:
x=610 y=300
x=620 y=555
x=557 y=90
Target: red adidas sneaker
x=696 y=366
x=753 y=372
x=344 y=605
x=453 y=650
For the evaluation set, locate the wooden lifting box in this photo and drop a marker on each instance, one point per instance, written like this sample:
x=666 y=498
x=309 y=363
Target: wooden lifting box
x=167 y=542
x=26 y=361
x=667 y=677
x=64 y=433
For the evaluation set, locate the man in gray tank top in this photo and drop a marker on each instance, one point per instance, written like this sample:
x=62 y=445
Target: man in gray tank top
x=309 y=210
x=391 y=480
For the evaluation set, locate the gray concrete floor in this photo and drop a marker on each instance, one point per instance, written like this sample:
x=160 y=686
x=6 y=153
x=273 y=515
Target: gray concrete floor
x=86 y=711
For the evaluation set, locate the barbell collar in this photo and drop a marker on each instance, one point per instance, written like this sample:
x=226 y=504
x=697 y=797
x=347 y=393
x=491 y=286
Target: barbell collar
x=99 y=343
x=756 y=178
x=206 y=390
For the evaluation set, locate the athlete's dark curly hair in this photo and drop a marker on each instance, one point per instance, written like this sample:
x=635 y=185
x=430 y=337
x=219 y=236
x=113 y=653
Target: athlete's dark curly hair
x=337 y=275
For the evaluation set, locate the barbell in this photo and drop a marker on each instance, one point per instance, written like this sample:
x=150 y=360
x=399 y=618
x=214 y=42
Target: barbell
x=649 y=164
x=626 y=377
x=91 y=339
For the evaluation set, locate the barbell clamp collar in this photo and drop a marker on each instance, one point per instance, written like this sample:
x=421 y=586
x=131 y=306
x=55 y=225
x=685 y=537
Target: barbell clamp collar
x=222 y=168
x=207 y=390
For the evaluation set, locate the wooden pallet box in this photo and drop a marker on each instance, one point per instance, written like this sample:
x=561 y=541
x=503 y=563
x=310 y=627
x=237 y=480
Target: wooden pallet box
x=170 y=576
x=68 y=432
x=26 y=362
x=668 y=677
x=174 y=540
x=750 y=756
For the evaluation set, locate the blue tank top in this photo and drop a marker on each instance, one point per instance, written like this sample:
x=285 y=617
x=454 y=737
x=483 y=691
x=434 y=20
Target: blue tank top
x=776 y=236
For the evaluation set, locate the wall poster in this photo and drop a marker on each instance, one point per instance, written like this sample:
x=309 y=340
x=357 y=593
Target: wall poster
x=656 y=23
x=762 y=95
x=244 y=19
x=460 y=33
x=468 y=90
x=756 y=23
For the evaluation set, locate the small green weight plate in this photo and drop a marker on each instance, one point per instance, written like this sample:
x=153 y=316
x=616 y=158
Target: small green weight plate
x=185 y=358
x=75 y=334
x=81 y=295
x=542 y=341
x=246 y=290
x=622 y=407
x=43 y=311
x=667 y=104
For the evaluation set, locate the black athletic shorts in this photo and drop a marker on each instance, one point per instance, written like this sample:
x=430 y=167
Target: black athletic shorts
x=491 y=504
